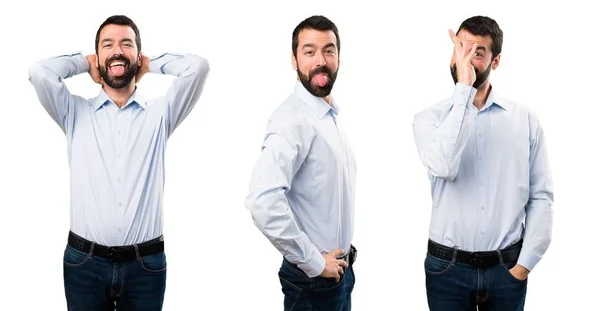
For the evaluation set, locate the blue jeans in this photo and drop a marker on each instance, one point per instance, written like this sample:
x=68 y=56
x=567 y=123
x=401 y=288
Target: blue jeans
x=97 y=284
x=453 y=286
x=302 y=293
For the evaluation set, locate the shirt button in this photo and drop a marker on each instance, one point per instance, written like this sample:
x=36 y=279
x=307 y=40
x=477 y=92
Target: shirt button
x=119 y=230
x=480 y=157
x=120 y=204
x=482 y=207
x=120 y=179
x=480 y=134
x=118 y=156
x=482 y=233
x=119 y=133
x=481 y=182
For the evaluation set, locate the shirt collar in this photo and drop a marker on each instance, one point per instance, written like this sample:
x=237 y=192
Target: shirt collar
x=494 y=99
x=498 y=101
x=318 y=105
x=103 y=98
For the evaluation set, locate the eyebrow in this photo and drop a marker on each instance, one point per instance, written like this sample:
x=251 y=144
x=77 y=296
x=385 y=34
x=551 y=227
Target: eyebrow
x=112 y=40
x=312 y=45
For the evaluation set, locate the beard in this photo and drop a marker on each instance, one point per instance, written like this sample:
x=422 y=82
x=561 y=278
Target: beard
x=316 y=90
x=123 y=80
x=480 y=77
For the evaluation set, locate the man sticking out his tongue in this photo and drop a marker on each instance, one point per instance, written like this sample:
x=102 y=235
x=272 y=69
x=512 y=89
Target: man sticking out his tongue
x=317 y=62
x=116 y=145
x=302 y=187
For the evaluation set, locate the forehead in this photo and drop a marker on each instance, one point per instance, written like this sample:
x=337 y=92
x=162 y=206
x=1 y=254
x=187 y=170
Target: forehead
x=316 y=37
x=485 y=41
x=117 y=32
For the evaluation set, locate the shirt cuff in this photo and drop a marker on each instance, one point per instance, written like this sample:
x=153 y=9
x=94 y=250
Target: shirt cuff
x=314 y=267
x=157 y=62
x=463 y=94
x=81 y=63
x=528 y=260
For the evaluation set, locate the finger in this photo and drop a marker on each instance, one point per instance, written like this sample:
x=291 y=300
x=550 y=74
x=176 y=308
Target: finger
x=472 y=52
x=455 y=41
x=340 y=271
x=452 y=36
x=339 y=252
x=463 y=40
x=342 y=263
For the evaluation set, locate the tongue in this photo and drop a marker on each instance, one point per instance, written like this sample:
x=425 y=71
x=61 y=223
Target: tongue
x=321 y=79
x=117 y=71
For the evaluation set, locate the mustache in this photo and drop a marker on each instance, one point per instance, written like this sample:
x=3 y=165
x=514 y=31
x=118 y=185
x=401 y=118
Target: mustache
x=319 y=70
x=117 y=57
x=454 y=69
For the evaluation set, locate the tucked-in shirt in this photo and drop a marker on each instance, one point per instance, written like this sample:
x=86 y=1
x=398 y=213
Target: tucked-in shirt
x=116 y=155
x=490 y=178
x=302 y=187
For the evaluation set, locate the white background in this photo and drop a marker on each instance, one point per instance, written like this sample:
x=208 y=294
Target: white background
x=394 y=63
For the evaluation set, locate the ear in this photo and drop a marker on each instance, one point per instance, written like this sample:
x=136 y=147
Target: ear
x=139 y=59
x=294 y=62
x=97 y=62
x=496 y=62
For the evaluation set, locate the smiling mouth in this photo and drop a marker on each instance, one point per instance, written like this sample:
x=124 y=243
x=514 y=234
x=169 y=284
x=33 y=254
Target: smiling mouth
x=117 y=68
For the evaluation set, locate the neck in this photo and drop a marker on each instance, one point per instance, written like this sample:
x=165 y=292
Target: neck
x=483 y=91
x=327 y=99
x=120 y=96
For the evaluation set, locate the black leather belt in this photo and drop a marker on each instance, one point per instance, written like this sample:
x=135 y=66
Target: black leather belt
x=350 y=258
x=117 y=253
x=477 y=259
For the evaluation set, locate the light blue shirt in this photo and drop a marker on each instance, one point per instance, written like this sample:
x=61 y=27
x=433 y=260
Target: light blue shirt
x=116 y=155
x=302 y=187
x=490 y=178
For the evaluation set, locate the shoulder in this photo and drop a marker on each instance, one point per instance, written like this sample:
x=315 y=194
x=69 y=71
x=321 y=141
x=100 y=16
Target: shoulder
x=519 y=108
x=433 y=112
x=291 y=119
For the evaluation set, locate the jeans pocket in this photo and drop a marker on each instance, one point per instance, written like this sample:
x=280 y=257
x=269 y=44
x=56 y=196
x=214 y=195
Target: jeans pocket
x=154 y=263
x=436 y=266
x=322 y=284
x=506 y=267
x=73 y=257
x=291 y=293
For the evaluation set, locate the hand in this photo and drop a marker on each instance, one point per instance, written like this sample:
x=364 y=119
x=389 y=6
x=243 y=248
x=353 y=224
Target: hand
x=519 y=272
x=144 y=68
x=333 y=266
x=465 y=71
x=94 y=72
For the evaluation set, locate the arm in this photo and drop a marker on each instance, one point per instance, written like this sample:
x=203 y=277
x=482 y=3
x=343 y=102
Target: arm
x=440 y=143
x=190 y=71
x=285 y=147
x=47 y=77
x=539 y=213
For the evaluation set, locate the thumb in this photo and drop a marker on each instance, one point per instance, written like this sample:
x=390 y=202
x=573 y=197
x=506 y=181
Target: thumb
x=339 y=252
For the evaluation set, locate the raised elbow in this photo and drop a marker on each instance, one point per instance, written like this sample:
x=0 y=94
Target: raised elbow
x=37 y=72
